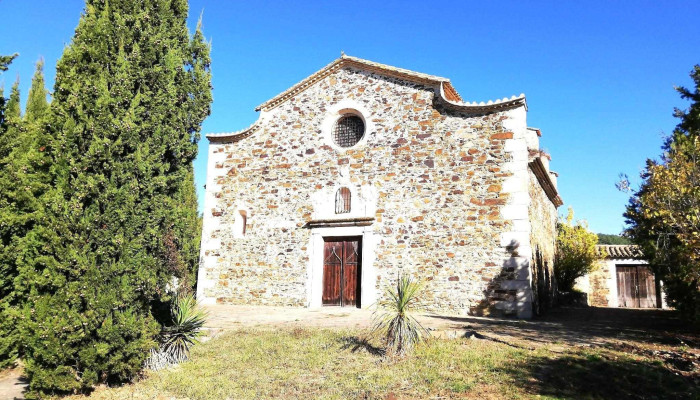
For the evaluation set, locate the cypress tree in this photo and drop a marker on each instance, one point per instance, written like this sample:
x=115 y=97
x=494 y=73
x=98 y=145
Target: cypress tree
x=23 y=180
x=131 y=92
x=8 y=140
x=12 y=108
x=6 y=352
x=2 y=109
x=5 y=62
x=37 y=105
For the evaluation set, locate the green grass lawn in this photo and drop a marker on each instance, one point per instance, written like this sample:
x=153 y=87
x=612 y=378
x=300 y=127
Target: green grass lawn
x=333 y=364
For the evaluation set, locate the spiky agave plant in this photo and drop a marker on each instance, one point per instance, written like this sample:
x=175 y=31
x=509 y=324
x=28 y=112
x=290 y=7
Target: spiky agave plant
x=393 y=321
x=188 y=318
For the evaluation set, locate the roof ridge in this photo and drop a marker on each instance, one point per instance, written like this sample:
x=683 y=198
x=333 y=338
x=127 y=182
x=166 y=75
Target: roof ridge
x=346 y=60
x=397 y=69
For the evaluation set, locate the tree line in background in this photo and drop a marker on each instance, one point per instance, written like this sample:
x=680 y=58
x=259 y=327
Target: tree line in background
x=613 y=239
x=664 y=213
x=98 y=210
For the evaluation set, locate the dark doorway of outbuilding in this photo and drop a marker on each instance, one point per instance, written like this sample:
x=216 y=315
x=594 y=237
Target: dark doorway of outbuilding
x=636 y=287
x=342 y=269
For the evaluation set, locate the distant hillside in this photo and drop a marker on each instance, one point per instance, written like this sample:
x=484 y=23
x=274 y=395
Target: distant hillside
x=612 y=239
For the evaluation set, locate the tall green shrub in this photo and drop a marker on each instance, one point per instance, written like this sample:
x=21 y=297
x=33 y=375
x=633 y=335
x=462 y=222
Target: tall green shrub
x=131 y=92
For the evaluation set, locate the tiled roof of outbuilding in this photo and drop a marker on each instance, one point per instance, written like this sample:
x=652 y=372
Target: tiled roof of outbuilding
x=620 y=251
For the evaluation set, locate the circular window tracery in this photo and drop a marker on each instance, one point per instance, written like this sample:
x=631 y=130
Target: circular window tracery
x=348 y=130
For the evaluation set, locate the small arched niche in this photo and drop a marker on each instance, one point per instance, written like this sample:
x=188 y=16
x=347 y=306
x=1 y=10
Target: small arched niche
x=239 y=224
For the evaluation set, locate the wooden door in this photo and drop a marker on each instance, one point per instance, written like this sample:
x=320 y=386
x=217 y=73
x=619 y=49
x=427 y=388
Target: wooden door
x=342 y=271
x=332 y=268
x=646 y=288
x=636 y=287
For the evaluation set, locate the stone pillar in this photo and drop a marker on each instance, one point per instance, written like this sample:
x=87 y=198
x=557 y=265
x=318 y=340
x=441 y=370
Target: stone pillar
x=516 y=241
x=210 y=247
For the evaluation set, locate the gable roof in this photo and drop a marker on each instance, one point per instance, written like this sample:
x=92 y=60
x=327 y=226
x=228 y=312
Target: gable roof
x=620 y=251
x=444 y=88
x=366 y=65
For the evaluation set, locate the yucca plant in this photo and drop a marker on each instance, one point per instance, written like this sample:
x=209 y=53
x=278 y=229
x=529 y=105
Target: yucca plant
x=393 y=321
x=187 y=320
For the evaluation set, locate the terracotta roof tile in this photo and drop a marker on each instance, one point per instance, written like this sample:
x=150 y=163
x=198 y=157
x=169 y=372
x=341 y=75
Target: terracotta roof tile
x=234 y=136
x=626 y=251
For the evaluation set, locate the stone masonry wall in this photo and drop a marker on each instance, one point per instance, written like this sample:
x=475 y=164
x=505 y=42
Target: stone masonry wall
x=601 y=281
x=431 y=178
x=599 y=291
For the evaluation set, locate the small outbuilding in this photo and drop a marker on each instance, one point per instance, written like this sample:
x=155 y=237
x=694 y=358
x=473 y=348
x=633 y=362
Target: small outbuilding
x=624 y=279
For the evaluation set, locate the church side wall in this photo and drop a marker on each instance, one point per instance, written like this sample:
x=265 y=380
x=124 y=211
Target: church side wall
x=432 y=179
x=543 y=217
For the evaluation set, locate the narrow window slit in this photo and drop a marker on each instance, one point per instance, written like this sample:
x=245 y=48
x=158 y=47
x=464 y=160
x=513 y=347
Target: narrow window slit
x=342 y=201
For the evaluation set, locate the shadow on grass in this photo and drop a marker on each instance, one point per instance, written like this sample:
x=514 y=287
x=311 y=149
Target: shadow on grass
x=572 y=325
x=477 y=335
x=602 y=376
x=356 y=343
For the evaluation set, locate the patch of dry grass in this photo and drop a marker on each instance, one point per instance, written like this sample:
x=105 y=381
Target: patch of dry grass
x=336 y=364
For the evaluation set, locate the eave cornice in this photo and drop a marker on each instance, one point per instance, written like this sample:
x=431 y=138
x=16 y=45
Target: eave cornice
x=545 y=181
x=233 y=137
x=483 y=107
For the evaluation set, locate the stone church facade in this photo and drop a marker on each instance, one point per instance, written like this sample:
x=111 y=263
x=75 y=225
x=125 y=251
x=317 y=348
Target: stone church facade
x=363 y=172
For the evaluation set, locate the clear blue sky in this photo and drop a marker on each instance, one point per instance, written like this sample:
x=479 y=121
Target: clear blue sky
x=598 y=76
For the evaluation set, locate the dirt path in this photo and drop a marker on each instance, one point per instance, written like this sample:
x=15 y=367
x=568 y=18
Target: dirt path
x=567 y=326
x=11 y=385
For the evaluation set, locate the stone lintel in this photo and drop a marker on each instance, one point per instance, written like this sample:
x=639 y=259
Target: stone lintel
x=329 y=223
